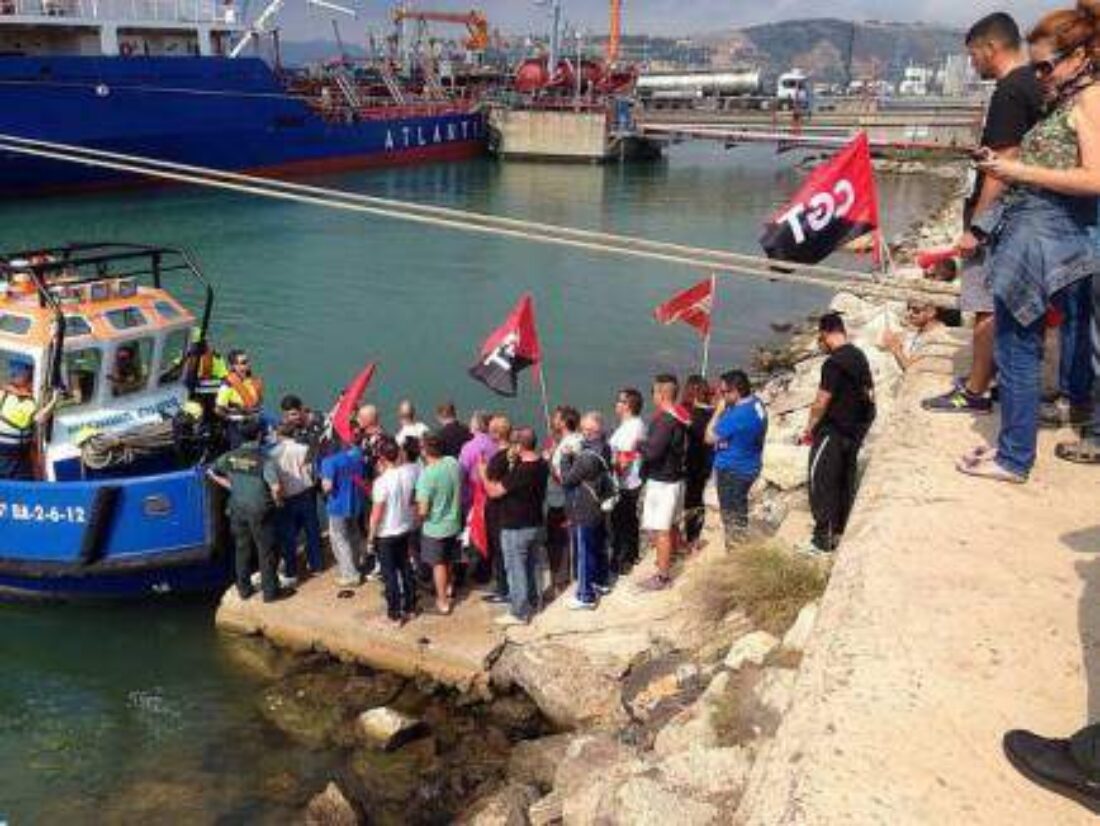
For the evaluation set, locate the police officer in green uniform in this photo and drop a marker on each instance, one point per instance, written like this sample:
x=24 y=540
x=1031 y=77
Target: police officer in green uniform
x=253 y=484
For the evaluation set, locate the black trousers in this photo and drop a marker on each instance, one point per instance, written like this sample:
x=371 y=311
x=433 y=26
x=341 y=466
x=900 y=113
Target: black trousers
x=625 y=531
x=1084 y=748
x=832 y=485
x=254 y=537
x=496 y=553
x=694 y=513
x=397 y=574
x=557 y=547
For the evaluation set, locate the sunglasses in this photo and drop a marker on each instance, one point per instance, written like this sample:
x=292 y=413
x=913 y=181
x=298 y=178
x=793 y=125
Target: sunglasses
x=1045 y=68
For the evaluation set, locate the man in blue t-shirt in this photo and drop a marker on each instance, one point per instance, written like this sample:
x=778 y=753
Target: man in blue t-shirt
x=342 y=476
x=737 y=430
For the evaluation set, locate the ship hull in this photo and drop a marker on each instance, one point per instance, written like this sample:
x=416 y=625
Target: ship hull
x=209 y=112
x=133 y=538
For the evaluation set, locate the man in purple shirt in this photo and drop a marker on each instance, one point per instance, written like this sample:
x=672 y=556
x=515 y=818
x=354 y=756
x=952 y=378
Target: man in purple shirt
x=479 y=449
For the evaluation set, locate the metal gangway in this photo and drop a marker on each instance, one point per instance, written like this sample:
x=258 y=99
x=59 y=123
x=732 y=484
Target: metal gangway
x=392 y=86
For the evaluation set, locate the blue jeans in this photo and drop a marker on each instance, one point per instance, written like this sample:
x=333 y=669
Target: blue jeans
x=518 y=549
x=590 y=546
x=733 y=501
x=298 y=514
x=1019 y=354
x=1075 y=369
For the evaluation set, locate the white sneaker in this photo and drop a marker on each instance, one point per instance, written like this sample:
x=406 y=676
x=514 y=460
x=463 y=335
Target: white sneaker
x=575 y=604
x=288 y=581
x=602 y=590
x=508 y=620
x=810 y=548
x=256 y=579
x=349 y=582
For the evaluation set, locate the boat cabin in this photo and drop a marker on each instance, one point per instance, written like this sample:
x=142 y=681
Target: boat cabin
x=103 y=333
x=113 y=28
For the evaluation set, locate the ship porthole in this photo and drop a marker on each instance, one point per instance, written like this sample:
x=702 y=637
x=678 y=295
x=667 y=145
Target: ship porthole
x=102 y=90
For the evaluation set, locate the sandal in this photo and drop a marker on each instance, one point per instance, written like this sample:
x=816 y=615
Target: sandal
x=989 y=469
x=1083 y=452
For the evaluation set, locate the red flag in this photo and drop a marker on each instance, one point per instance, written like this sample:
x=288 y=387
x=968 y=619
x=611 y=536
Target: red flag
x=512 y=347
x=837 y=204
x=478 y=535
x=693 y=307
x=348 y=403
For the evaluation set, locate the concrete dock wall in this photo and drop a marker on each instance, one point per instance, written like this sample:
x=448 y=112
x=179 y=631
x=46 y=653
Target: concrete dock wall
x=551 y=135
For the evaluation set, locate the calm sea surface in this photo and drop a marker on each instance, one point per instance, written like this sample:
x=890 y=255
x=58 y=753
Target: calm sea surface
x=102 y=709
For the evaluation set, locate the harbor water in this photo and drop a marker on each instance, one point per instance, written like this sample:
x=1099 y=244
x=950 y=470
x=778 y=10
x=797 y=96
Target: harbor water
x=106 y=710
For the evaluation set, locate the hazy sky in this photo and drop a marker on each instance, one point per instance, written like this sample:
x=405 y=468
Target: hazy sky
x=661 y=16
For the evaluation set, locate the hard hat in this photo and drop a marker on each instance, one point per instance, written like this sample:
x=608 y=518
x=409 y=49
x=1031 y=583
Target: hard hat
x=20 y=366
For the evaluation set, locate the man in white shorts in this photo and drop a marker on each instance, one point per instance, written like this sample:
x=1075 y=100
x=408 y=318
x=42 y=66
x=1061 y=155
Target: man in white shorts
x=664 y=455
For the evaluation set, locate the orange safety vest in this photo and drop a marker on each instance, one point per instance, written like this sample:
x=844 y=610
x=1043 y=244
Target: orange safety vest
x=250 y=391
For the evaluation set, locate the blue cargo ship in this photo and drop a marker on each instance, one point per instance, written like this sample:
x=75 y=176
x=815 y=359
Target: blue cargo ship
x=159 y=79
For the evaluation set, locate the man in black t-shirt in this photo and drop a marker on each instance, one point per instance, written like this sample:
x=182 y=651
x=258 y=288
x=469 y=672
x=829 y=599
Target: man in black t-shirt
x=520 y=492
x=839 y=420
x=996 y=53
x=452 y=433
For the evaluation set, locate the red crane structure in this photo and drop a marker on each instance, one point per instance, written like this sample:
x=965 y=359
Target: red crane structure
x=476 y=23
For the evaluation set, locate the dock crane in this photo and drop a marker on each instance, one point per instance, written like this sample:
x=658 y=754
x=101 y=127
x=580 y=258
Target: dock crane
x=476 y=23
x=615 y=32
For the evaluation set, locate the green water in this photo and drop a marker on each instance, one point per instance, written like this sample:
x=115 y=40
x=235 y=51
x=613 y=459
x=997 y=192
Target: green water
x=104 y=709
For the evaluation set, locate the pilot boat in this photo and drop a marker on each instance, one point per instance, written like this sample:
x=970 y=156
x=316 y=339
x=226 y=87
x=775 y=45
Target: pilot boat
x=119 y=504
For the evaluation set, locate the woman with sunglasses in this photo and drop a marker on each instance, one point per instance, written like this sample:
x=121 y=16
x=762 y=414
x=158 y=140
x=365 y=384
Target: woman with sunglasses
x=1037 y=232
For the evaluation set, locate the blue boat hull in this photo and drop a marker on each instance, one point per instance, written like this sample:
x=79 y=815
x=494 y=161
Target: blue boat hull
x=126 y=538
x=205 y=111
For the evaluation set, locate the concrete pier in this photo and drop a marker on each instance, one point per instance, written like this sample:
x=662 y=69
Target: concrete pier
x=581 y=135
x=958 y=609
x=456 y=650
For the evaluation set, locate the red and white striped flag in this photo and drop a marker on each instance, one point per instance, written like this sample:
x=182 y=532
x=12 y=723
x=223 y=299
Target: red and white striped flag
x=693 y=307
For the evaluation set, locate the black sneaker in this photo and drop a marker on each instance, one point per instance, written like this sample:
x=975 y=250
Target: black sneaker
x=1050 y=764
x=959 y=400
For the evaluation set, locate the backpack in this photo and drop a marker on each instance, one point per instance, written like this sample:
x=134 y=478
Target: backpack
x=607 y=491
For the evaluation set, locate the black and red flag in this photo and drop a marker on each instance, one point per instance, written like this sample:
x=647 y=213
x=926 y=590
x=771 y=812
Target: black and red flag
x=512 y=347
x=837 y=204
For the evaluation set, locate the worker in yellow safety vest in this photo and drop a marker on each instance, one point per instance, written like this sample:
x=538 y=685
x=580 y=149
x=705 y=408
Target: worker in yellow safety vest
x=240 y=397
x=19 y=415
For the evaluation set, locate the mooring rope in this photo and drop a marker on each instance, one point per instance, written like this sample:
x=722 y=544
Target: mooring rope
x=720 y=261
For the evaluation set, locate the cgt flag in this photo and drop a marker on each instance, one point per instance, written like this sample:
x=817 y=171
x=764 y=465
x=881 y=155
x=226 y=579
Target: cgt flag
x=837 y=204
x=693 y=307
x=514 y=346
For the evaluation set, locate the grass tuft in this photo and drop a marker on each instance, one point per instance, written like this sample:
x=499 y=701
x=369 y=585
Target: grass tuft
x=769 y=585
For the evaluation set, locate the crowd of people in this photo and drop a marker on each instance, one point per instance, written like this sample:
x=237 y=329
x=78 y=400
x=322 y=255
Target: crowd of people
x=441 y=507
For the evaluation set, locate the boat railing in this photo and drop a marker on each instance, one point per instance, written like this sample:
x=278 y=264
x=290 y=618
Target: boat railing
x=336 y=108
x=123 y=11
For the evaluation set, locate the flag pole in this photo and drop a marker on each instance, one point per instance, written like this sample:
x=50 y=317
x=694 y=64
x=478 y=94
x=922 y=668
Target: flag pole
x=710 y=322
x=545 y=396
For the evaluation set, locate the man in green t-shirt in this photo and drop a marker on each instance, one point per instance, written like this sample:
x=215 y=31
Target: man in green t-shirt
x=250 y=476
x=439 y=501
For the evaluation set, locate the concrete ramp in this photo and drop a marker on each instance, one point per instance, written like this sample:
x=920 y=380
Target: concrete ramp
x=958 y=609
